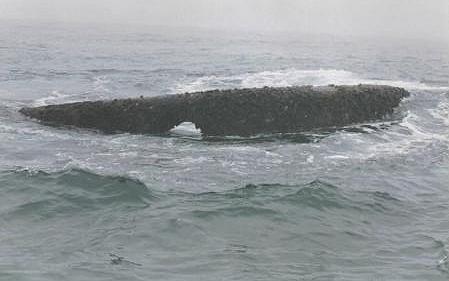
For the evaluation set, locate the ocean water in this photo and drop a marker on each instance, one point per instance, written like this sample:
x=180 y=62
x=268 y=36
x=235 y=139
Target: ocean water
x=365 y=202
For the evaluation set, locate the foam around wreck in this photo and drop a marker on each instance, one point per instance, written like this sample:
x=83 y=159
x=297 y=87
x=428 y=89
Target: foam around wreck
x=241 y=112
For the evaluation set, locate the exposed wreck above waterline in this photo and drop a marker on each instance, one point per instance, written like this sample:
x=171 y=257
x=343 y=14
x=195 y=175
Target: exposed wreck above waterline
x=240 y=112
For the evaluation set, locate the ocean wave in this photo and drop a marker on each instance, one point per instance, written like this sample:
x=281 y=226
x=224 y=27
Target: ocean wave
x=318 y=195
x=414 y=132
x=53 y=98
x=325 y=196
x=101 y=88
x=74 y=190
x=296 y=77
x=441 y=112
x=65 y=192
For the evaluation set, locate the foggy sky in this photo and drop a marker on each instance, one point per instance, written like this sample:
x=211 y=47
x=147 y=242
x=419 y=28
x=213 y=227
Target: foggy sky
x=424 y=19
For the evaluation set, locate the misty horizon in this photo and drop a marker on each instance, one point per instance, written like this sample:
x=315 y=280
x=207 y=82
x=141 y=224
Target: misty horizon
x=402 y=19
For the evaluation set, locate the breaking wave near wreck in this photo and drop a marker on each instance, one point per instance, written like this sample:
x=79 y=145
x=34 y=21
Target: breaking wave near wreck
x=296 y=77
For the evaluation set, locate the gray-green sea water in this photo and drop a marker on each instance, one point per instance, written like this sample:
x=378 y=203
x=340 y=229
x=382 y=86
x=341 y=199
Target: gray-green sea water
x=364 y=202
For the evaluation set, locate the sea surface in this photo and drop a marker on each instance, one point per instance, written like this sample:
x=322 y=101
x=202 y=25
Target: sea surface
x=365 y=202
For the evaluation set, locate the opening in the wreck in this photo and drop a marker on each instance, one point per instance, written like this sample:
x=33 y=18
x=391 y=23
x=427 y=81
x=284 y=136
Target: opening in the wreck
x=186 y=129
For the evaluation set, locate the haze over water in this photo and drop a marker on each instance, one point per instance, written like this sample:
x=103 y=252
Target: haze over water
x=365 y=202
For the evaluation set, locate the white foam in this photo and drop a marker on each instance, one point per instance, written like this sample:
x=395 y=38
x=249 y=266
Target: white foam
x=411 y=121
x=294 y=77
x=101 y=84
x=337 y=156
x=186 y=129
x=396 y=143
x=442 y=110
x=310 y=159
x=54 y=98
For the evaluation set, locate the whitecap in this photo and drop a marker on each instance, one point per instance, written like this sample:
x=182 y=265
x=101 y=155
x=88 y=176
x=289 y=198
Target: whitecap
x=295 y=77
x=337 y=156
x=55 y=97
x=441 y=112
